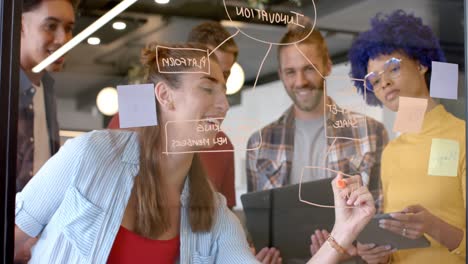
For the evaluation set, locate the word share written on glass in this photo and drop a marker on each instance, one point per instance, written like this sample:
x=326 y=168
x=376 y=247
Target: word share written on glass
x=198 y=62
x=205 y=135
x=344 y=109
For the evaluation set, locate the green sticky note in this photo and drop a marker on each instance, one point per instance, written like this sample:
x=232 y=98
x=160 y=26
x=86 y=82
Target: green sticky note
x=444 y=157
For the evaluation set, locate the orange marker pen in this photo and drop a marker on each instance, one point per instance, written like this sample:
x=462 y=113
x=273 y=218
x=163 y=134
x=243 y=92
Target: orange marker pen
x=341 y=184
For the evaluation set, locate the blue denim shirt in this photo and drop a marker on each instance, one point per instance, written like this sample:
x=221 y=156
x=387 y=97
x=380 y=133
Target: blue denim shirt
x=78 y=198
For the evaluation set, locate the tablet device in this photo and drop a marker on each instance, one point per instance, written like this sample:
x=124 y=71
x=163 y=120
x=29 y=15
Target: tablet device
x=276 y=217
x=257 y=210
x=372 y=233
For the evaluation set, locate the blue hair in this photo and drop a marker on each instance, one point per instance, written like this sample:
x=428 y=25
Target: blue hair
x=399 y=32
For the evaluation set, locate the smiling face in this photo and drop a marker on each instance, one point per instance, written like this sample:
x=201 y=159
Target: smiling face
x=44 y=30
x=410 y=81
x=303 y=83
x=200 y=97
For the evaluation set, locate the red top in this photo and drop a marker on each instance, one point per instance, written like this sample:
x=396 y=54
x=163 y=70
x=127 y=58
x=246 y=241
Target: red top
x=131 y=248
x=219 y=166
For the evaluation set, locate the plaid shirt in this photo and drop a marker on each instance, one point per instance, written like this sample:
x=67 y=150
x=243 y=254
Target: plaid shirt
x=269 y=166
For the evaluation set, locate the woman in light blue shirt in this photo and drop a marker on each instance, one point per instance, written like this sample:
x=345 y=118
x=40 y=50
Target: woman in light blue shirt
x=103 y=180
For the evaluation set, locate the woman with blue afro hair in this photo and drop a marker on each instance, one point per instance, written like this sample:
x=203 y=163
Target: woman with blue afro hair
x=394 y=57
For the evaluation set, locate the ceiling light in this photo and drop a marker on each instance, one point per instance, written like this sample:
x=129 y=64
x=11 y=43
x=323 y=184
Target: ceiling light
x=94 y=41
x=107 y=101
x=235 y=80
x=162 y=2
x=84 y=34
x=119 y=25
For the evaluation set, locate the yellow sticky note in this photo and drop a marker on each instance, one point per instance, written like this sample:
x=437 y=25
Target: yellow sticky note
x=444 y=157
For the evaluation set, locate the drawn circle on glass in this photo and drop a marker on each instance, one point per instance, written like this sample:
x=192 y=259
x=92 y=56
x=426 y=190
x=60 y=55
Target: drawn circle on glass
x=269 y=42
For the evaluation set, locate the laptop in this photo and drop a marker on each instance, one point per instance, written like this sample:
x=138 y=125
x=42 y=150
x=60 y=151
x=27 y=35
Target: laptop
x=276 y=217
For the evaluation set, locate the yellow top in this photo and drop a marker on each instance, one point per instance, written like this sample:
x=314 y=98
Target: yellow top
x=405 y=181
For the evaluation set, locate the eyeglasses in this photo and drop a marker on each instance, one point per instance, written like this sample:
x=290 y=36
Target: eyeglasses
x=373 y=80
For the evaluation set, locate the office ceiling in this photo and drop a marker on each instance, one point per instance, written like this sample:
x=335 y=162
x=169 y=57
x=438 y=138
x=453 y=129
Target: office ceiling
x=90 y=68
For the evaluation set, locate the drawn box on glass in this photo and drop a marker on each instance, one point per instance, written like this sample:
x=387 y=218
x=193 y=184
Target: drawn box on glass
x=242 y=10
x=206 y=135
x=344 y=114
x=199 y=62
x=315 y=198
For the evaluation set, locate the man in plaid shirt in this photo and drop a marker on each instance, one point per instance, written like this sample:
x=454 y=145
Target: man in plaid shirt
x=311 y=132
x=314 y=131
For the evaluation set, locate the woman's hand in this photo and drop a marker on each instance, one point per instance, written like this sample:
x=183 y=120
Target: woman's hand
x=269 y=256
x=320 y=237
x=317 y=239
x=354 y=205
x=354 y=208
x=374 y=255
x=412 y=222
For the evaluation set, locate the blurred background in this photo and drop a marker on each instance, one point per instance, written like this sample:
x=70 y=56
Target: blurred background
x=110 y=57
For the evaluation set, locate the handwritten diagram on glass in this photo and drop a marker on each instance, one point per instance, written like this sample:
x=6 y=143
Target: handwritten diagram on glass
x=242 y=11
x=410 y=115
x=179 y=64
x=343 y=109
x=443 y=160
x=205 y=135
x=331 y=174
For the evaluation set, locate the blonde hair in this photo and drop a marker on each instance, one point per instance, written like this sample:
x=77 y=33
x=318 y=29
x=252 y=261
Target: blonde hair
x=213 y=33
x=152 y=217
x=296 y=33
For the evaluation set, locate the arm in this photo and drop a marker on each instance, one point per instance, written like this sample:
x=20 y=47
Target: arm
x=452 y=237
x=250 y=163
x=417 y=221
x=232 y=243
x=351 y=215
x=374 y=172
x=20 y=238
x=461 y=248
x=40 y=198
x=327 y=254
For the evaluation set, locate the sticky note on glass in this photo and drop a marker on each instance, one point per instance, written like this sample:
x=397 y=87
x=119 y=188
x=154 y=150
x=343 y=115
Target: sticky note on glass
x=410 y=115
x=137 y=105
x=444 y=80
x=444 y=157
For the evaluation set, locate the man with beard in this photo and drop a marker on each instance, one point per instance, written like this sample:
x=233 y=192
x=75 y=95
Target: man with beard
x=297 y=139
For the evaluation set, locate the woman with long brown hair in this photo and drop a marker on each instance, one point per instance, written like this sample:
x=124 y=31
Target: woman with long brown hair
x=125 y=197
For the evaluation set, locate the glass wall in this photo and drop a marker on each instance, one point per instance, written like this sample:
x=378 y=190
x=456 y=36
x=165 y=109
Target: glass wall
x=132 y=113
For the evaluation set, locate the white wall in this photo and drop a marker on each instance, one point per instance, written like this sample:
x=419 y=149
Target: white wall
x=267 y=102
